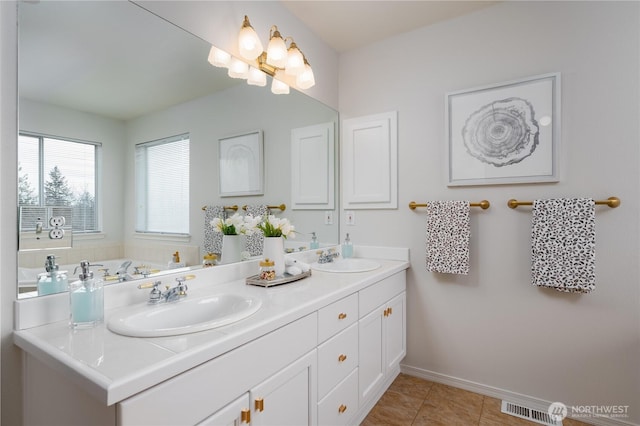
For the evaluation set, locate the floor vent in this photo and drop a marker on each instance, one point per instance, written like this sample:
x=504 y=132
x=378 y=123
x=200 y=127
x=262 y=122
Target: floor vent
x=527 y=413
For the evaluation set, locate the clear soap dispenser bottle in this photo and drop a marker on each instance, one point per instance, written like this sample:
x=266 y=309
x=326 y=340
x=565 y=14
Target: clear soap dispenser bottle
x=52 y=281
x=87 y=298
x=314 y=241
x=347 y=248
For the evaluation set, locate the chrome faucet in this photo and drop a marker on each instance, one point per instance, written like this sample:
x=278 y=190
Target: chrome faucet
x=170 y=295
x=327 y=256
x=122 y=273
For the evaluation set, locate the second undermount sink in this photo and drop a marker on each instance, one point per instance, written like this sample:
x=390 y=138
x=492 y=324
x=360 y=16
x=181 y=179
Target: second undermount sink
x=184 y=316
x=347 y=265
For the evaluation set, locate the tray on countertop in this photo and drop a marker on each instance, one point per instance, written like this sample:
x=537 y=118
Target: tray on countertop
x=255 y=279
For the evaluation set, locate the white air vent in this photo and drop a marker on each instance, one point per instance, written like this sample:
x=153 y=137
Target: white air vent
x=527 y=413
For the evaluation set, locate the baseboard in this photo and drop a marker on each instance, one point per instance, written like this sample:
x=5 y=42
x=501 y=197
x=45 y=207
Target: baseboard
x=517 y=398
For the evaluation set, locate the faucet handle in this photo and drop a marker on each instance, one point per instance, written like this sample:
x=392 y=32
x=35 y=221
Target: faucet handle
x=155 y=295
x=154 y=284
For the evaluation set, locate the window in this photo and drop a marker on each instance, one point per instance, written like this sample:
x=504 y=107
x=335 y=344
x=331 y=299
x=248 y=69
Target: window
x=60 y=172
x=162 y=186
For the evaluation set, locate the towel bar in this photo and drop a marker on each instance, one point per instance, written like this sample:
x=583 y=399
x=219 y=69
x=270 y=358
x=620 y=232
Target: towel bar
x=484 y=204
x=282 y=207
x=612 y=202
x=234 y=208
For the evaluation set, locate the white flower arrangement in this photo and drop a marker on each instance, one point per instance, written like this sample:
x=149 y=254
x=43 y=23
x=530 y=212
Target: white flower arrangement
x=276 y=227
x=236 y=224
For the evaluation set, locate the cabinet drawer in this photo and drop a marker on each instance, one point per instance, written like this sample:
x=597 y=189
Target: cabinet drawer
x=339 y=407
x=337 y=316
x=377 y=294
x=337 y=357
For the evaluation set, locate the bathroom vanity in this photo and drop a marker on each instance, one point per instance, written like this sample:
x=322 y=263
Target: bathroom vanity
x=321 y=350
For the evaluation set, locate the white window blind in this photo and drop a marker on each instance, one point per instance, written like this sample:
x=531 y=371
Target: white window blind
x=162 y=186
x=60 y=172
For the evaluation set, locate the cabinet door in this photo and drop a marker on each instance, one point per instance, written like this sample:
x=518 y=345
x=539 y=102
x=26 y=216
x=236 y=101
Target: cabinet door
x=289 y=397
x=371 y=363
x=395 y=333
x=236 y=413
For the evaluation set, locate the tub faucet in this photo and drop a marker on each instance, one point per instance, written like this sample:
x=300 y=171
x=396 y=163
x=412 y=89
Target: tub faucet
x=122 y=273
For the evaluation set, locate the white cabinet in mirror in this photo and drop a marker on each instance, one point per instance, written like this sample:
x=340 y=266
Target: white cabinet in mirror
x=154 y=85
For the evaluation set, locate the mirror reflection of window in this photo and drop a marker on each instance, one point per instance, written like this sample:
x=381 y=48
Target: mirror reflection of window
x=60 y=172
x=162 y=186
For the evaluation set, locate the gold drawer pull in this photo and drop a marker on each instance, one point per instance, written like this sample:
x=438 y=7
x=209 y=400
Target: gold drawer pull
x=390 y=311
x=342 y=408
x=342 y=358
x=342 y=316
x=386 y=312
x=259 y=404
x=245 y=416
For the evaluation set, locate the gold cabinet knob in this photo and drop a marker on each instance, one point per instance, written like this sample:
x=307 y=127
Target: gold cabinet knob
x=259 y=404
x=245 y=416
x=342 y=358
x=342 y=408
x=342 y=316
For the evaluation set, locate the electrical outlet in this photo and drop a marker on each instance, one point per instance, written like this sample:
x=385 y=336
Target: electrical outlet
x=56 y=234
x=350 y=217
x=328 y=217
x=57 y=221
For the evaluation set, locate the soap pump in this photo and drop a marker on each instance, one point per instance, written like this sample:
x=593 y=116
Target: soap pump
x=347 y=248
x=86 y=298
x=52 y=281
x=314 y=241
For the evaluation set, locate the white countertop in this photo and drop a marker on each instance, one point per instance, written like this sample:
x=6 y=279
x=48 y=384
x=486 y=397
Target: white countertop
x=112 y=367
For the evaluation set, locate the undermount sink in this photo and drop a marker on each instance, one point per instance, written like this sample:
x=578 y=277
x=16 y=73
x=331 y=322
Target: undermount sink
x=347 y=265
x=184 y=316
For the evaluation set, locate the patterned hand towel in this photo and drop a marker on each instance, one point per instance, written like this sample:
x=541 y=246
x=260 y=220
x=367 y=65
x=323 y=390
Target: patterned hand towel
x=212 y=239
x=255 y=241
x=563 y=241
x=448 y=237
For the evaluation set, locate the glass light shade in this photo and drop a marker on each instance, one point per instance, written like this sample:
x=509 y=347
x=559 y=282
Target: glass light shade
x=295 y=61
x=219 y=58
x=256 y=77
x=249 y=44
x=279 y=88
x=305 y=79
x=277 y=51
x=238 y=68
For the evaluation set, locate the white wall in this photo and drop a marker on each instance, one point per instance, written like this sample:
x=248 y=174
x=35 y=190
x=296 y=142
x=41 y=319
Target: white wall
x=492 y=327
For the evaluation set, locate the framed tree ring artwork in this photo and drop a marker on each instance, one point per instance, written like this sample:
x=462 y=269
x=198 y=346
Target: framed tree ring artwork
x=504 y=133
x=241 y=164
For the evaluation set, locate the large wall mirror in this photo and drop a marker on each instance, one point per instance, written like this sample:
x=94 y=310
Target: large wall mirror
x=112 y=75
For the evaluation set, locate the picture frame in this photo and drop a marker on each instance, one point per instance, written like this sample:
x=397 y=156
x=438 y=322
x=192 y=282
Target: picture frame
x=241 y=168
x=505 y=133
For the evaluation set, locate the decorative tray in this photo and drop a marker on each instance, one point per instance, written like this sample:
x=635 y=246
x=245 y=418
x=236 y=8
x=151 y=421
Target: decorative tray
x=255 y=279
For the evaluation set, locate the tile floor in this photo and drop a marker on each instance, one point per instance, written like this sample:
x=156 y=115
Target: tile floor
x=411 y=401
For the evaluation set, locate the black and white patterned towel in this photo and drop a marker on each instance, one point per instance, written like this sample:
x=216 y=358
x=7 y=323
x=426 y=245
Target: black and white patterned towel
x=448 y=237
x=563 y=244
x=212 y=239
x=255 y=241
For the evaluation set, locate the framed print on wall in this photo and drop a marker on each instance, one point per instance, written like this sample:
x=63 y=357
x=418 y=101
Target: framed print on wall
x=504 y=133
x=241 y=164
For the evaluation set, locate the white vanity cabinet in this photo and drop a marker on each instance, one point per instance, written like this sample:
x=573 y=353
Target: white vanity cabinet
x=278 y=369
x=381 y=334
x=338 y=362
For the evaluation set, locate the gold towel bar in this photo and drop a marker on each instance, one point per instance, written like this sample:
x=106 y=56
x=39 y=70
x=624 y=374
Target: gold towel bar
x=234 y=208
x=484 y=204
x=282 y=207
x=612 y=202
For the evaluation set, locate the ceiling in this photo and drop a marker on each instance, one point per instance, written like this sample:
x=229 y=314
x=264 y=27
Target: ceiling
x=346 y=25
x=104 y=72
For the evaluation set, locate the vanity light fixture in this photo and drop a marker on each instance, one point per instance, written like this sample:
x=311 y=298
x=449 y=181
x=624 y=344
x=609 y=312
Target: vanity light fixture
x=281 y=63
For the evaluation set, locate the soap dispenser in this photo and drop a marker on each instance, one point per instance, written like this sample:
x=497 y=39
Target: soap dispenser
x=87 y=298
x=314 y=241
x=52 y=281
x=347 y=248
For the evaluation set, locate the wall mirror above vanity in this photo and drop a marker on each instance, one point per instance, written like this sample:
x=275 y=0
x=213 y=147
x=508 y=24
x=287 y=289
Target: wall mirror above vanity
x=113 y=75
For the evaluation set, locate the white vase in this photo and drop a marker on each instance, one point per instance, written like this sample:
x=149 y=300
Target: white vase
x=231 y=248
x=274 y=249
